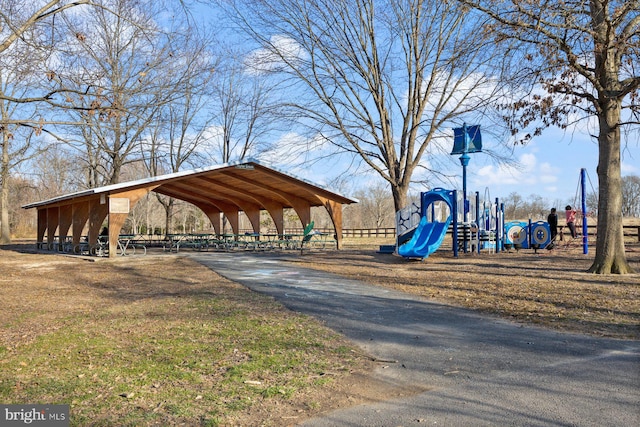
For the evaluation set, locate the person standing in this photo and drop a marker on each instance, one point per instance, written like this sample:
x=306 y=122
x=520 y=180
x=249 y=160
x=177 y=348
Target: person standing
x=570 y=214
x=552 y=219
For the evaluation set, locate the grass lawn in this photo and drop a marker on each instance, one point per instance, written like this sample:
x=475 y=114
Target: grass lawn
x=158 y=340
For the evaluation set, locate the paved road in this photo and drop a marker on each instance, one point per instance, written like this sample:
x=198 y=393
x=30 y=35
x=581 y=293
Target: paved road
x=476 y=370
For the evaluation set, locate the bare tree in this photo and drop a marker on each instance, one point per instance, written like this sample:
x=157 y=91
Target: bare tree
x=377 y=80
x=592 y=202
x=513 y=205
x=22 y=191
x=121 y=50
x=376 y=206
x=20 y=20
x=242 y=113
x=182 y=134
x=246 y=111
x=20 y=56
x=533 y=207
x=585 y=56
x=30 y=38
x=631 y=196
x=31 y=25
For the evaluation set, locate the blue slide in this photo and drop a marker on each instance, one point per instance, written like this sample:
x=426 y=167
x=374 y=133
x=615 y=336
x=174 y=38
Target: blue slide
x=426 y=240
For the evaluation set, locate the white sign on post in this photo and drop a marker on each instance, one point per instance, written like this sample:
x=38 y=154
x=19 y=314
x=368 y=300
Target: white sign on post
x=118 y=205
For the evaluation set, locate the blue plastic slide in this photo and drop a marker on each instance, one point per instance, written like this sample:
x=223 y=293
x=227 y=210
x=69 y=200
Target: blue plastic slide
x=426 y=240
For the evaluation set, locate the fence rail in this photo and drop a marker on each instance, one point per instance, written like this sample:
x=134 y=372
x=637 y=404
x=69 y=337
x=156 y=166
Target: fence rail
x=390 y=232
x=369 y=232
x=631 y=230
x=628 y=230
x=353 y=232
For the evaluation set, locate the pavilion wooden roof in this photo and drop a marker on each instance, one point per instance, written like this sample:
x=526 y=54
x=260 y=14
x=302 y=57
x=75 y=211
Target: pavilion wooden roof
x=228 y=189
x=237 y=183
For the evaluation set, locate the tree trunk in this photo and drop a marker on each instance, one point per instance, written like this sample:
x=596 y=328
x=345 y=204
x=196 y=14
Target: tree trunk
x=610 y=256
x=5 y=230
x=399 y=196
x=168 y=219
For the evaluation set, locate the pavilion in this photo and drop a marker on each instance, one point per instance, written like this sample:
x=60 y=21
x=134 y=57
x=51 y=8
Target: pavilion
x=228 y=189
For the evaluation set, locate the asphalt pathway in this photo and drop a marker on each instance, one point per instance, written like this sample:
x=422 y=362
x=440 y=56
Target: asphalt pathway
x=476 y=370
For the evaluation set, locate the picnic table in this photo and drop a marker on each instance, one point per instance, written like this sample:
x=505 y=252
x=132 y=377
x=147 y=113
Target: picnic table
x=127 y=245
x=245 y=241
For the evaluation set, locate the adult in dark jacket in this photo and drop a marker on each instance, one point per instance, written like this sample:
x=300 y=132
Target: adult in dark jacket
x=552 y=219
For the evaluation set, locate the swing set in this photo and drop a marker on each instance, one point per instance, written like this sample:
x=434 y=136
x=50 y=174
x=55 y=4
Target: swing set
x=535 y=235
x=582 y=221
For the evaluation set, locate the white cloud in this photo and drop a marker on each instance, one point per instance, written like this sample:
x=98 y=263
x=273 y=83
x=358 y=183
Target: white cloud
x=526 y=174
x=281 y=50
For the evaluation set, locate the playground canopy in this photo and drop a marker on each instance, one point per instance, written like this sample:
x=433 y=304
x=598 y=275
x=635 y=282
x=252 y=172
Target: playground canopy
x=228 y=189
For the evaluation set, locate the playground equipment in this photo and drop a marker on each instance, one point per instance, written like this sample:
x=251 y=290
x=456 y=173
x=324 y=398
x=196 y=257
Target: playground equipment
x=436 y=212
x=516 y=235
x=527 y=235
x=490 y=223
x=583 y=197
x=421 y=228
x=466 y=139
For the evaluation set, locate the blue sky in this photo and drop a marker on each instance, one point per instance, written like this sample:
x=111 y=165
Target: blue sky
x=548 y=166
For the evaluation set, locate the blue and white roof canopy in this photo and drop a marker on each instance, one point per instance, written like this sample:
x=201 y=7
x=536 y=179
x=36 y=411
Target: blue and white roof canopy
x=228 y=189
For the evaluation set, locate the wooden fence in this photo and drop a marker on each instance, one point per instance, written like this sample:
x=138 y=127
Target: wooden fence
x=632 y=231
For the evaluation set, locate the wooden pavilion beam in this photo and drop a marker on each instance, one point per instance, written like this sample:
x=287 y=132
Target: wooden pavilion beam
x=118 y=212
x=230 y=211
x=250 y=204
x=285 y=195
x=299 y=204
x=335 y=213
x=53 y=216
x=80 y=216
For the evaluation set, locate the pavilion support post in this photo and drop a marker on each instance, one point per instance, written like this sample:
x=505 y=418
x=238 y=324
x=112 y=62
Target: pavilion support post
x=80 y=216
x=252 y=211
x=232 y=217
x=116 y=221
x=216 y=220
x=42 y=228
x=64 y=223
x=303 y=209
x=120 y=204
x=335 y=213
x=214 y=215
x=277 y=215
x=53 y=216
x=97 y=213
x=254 y=219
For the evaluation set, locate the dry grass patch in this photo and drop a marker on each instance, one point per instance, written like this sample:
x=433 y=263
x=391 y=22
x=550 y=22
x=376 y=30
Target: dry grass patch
x=550 y=288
